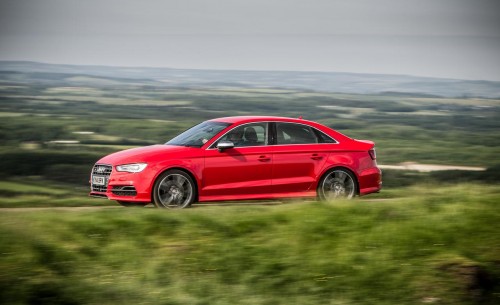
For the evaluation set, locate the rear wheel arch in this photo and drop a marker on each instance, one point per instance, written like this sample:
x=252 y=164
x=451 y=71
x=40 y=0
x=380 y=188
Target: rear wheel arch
x=328 y=169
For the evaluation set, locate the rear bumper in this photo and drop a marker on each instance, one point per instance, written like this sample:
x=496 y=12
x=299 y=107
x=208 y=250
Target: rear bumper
x=370 y=181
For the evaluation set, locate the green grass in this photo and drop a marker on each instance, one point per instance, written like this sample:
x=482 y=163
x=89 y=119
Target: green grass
x=35 y=192
x=441 y=245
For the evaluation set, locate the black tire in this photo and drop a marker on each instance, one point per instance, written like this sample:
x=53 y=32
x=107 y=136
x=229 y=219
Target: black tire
x=174 y=189
x=337 y=183
x=129 y=204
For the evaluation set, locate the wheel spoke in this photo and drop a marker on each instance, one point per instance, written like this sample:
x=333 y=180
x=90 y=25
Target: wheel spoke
x=341 y=176
x=166 y=198
x=350 y=185
x=329 y=181
x=179 y=179
x=163 y=188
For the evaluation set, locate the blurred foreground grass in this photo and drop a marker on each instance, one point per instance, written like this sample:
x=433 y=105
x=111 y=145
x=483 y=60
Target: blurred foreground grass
x=439 y=246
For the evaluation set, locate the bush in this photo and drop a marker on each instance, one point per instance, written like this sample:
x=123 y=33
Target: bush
x=68 y=173
x=27 y=163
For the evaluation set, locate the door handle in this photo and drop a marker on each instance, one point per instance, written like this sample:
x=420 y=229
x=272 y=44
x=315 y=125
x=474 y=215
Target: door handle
x=264 y=158
x=316 y=157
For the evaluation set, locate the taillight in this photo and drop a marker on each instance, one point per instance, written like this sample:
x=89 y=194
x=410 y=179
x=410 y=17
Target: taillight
x=372 y=154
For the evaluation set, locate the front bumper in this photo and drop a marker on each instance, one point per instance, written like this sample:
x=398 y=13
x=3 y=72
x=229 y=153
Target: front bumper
x=123 y=186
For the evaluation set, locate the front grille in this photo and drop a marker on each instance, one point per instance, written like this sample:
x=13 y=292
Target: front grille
x=100 y=170
x=125 y=190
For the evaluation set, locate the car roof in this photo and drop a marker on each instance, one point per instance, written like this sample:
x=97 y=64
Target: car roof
x=248 y=119
x=245 y=119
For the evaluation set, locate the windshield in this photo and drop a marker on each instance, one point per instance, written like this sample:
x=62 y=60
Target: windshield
x=198 y=135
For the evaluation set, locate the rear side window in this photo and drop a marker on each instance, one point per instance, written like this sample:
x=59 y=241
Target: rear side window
x=289 y=133
x=323 y=138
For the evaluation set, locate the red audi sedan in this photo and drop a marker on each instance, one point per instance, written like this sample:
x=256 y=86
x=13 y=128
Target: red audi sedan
x=240 y=158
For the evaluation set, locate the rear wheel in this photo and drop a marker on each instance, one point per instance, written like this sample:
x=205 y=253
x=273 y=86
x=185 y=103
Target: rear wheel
x=338 y=183
x=174 y=189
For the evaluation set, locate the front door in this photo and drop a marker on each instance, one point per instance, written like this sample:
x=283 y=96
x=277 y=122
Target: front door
x=242 y=172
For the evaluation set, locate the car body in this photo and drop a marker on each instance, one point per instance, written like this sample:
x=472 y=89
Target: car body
x=240 y=158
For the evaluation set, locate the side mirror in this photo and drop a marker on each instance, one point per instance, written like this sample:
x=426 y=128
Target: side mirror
x=224 y=145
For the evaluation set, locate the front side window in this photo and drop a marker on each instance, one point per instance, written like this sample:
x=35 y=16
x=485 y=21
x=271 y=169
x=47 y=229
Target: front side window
x=198 y=135
x=254 y=134
x=289 y=133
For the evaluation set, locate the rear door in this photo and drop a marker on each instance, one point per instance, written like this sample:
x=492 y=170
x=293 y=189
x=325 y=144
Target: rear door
x=298 y=157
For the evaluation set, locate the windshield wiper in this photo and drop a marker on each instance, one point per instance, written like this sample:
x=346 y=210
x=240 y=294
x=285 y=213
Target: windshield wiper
x=186 y=145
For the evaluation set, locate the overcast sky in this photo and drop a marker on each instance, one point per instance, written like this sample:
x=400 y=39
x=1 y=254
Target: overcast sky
x=442 y=38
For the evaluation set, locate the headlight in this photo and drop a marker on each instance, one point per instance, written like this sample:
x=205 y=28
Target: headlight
x=131 y=168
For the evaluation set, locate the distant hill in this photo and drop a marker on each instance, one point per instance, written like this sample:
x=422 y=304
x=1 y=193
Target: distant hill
x=299 y=80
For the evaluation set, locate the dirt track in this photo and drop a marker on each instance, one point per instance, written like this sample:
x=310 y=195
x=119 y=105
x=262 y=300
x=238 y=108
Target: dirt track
x=412 y=166
x=196 y=205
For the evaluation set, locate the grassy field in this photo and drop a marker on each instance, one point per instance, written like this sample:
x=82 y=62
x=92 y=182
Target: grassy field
x=406 y=127
x=439 y=246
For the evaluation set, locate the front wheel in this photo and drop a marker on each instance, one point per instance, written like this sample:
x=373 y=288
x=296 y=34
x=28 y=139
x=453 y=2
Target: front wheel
x=174 y=189
x=338 y=183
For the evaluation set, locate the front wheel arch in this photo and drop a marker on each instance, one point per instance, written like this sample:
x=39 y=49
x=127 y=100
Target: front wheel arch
x=354 y=177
